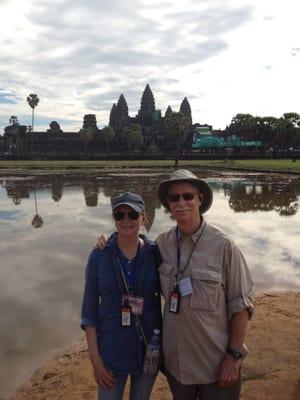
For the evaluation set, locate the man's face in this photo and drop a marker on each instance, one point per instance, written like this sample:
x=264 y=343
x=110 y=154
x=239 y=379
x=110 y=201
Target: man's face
x=184 y=201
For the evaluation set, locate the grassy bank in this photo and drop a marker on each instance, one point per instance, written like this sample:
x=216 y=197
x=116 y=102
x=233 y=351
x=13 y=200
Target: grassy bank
x=261 y=165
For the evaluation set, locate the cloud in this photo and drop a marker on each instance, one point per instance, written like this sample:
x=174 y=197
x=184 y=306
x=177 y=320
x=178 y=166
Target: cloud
x=72 y=52
x=7 y=98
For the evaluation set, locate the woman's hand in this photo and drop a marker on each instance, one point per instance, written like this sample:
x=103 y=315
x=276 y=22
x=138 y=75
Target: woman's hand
x=103 y=376
x=101 y=242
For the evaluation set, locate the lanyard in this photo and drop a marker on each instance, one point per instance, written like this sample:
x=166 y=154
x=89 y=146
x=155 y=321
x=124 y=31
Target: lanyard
x=129 y=292
x=128 y=277
x=179 y=272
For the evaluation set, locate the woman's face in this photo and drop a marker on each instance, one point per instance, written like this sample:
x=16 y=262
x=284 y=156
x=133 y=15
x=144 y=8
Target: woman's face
x=128 y=222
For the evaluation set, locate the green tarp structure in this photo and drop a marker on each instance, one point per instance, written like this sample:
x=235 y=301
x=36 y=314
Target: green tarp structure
x=214 y=141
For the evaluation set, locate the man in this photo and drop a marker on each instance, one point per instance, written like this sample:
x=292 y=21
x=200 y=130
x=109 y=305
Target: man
x=208 y=292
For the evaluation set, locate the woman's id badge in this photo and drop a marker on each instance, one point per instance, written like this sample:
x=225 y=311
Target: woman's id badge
x=135 y=303
x=126 y=314
x=175 y=301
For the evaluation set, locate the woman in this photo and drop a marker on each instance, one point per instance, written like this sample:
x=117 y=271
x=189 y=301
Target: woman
x=121 y=303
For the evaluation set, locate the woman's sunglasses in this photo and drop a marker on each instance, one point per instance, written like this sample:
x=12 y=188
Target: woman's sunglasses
x=188 y=196
x=119 y=215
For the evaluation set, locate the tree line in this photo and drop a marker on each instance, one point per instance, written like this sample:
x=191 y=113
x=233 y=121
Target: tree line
x=278 y=133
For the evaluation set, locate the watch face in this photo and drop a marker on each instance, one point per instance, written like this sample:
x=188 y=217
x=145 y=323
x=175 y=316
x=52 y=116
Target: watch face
x=236 y=353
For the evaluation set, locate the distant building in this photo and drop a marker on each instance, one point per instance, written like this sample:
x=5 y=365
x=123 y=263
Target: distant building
x=18 y=140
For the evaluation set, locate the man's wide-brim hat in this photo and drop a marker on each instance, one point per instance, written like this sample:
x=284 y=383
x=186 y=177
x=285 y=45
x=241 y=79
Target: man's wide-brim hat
x=183 y=175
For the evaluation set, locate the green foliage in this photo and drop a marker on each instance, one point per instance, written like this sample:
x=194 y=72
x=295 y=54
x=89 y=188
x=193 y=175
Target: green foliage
x=33 y=100
x=133 y=137
x=107 y=134
x=86 y=136
x=274 y=132
x=88 y=165
x=152 y=150
x=177 y=127
x=293 y=117
x=245 y=126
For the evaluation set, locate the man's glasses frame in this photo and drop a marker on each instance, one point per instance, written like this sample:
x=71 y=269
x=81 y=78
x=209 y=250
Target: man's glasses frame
x=188 y=196
x=132 y=214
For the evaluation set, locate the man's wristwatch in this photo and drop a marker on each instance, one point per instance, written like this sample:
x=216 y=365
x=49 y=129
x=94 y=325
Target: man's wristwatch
x=236 y=353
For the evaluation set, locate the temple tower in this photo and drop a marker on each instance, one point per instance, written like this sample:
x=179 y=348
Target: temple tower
x=90 y=122
x=185 y=109
x=147 y=105
x=168 y=112
x=121 y=113
x=113 y=116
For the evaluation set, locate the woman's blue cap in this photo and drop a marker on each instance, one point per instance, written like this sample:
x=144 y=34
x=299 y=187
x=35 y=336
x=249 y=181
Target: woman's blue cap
x=132 y=200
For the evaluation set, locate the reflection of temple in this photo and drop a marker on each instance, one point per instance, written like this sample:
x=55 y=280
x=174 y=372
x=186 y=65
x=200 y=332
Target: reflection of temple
x=17 y=190
x=279 y=196
x=57 y=185
x=90 y=190
x=140 y=184
x=18 y=140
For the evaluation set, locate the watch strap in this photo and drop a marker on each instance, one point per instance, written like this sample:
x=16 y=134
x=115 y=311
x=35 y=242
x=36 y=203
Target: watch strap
x=236 y=353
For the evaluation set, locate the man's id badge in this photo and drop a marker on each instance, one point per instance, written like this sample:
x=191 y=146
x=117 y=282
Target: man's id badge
x=175 y=301
x=136 y=304
x=126 y=314
x=185 y=286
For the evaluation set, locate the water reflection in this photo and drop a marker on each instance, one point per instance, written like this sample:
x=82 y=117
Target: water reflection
x=260 y=194
x=42 y=276
x=37 y=221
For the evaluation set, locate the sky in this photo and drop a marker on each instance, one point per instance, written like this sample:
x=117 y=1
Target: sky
x=78 y=56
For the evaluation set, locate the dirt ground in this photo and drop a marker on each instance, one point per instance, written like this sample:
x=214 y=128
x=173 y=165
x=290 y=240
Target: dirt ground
x=271 y=370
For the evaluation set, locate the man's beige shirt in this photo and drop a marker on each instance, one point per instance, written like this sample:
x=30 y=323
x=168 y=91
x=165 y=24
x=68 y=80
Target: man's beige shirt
x=195 y=339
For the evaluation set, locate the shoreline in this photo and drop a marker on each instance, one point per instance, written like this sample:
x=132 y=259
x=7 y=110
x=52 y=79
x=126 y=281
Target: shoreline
x=271 y=370
x=283 y=166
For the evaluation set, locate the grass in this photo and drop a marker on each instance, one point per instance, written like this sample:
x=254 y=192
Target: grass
x=261 y=165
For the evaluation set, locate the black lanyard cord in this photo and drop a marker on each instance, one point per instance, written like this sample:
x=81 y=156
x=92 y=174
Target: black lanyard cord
x=179 y=272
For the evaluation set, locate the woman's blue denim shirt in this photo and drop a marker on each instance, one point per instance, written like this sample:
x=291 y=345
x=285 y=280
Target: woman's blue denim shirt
x=122 y=349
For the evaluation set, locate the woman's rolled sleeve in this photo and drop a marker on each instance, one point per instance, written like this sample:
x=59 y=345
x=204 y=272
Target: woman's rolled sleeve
x=90 y=303
x=240 y=286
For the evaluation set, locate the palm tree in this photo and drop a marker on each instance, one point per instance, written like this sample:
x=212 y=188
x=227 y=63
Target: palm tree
x=33 y=101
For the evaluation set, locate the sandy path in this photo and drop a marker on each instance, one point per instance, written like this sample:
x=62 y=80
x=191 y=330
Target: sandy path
x=271 y=371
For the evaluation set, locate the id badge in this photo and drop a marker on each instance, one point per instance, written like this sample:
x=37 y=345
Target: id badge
x=126 y=316
x=135 y=303
x=175 y=301
x=185 y=286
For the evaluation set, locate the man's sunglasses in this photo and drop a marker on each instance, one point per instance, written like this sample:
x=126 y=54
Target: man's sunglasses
x=119 y=215
x=188 y=196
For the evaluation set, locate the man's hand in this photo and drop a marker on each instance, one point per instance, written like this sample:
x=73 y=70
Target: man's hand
x=102 y=239
x=229 y=371
x=103 y=376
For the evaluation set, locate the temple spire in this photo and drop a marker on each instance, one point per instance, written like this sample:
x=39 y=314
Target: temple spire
x=113 y=116
x=121 y=113
x=147 y=104
x=185 y=109
x=168 y=112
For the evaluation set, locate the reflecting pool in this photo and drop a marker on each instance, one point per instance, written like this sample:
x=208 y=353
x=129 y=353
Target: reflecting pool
x=49 y=223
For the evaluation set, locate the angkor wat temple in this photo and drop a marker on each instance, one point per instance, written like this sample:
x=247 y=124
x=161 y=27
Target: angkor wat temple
x=18 y=140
